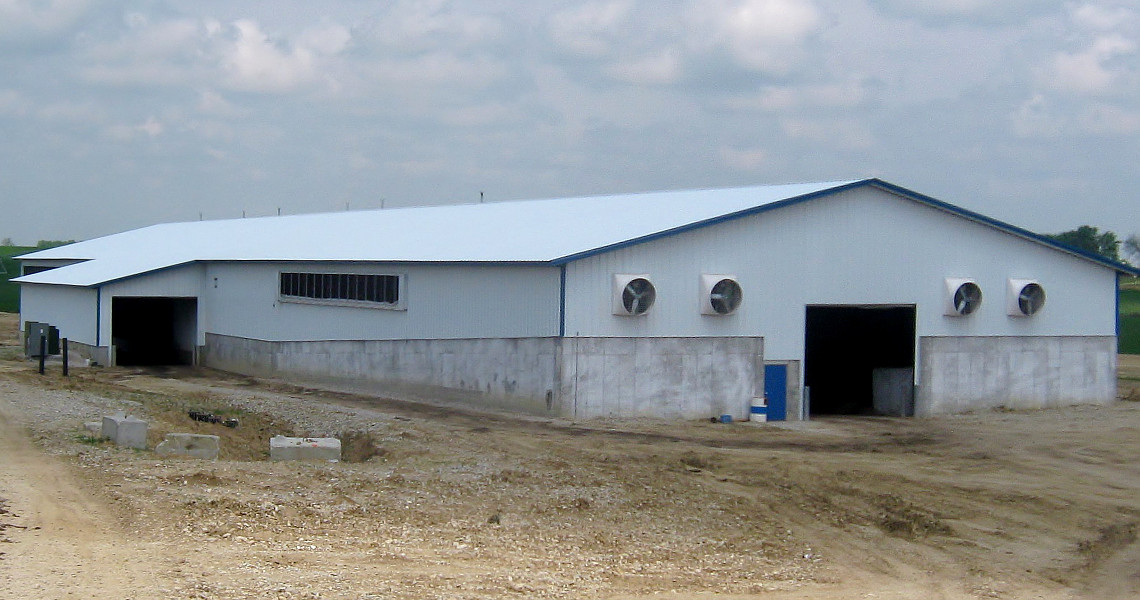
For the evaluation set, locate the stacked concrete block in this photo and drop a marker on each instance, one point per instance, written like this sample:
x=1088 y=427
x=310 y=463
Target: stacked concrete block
x=125 y=431
x=190 y=445
x=292 y=448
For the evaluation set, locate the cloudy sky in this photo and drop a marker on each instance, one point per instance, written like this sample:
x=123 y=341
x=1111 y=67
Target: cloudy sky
x=115 y=115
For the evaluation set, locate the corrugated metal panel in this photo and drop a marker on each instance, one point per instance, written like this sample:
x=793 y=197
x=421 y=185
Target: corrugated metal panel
x=442 y=302
x=862 y=246
x=531 y=231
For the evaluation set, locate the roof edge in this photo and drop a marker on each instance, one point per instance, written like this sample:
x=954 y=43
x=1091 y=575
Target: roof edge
x=1120 y=267
x=562 y=260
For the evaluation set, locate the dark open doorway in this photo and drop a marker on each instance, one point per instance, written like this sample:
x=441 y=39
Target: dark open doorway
x=154 y=331
x=852 y=351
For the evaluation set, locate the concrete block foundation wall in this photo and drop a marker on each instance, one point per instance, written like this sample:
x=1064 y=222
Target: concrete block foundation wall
x=672 y=378
x=571 y=377
x=960 y=374
x=517 y=374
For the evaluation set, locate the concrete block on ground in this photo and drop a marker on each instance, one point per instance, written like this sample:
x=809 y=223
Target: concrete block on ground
x=125 y=431
x=191 y=445
x=293 y=448
x=94 y=427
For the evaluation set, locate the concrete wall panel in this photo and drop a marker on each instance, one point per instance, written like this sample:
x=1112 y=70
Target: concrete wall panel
x=660 y=377
x=972 y=373
x=510 y=373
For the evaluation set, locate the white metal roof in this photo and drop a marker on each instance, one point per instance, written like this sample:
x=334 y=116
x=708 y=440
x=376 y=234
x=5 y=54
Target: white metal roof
x=535 y=231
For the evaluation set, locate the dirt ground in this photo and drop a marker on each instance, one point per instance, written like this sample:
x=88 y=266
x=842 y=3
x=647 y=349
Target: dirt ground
x=433 y=502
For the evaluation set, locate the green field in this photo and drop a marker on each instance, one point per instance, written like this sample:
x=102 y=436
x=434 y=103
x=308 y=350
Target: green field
x=10 y=292
x=1130 y=317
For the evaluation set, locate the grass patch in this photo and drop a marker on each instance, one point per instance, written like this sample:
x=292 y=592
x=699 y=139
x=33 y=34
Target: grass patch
x=10 y=292
x=1129 y=334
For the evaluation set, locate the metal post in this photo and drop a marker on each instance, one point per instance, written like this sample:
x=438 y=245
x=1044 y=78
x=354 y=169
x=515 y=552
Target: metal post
x=64 y=340
x=43 y=352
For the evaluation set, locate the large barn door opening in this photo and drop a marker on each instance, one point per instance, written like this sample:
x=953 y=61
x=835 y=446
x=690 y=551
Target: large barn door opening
x=154 y=331
x=859 y=360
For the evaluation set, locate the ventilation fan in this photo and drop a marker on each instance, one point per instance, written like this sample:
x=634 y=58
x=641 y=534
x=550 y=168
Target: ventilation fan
x=720 y=294
x=963 y=297
x=1026 y=298
x=633 y=295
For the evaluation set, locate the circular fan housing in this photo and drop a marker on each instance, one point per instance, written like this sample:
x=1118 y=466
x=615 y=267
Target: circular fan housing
x=638 y=296
x=1031 y=299
x=633 y=294
x=1026 y=298
x=963 y=297
x=967 y=298
x=720 y=294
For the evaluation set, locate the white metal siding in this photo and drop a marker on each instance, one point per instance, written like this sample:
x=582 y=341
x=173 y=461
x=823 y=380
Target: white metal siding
x=864 y=246
x=442 y=302
x=71 y=310
x=179 y=282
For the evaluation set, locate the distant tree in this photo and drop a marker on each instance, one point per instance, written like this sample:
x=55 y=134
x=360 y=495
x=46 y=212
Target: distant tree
x=7 y=242
x=43 y=244
x=1132 y=248
x=1090 y=239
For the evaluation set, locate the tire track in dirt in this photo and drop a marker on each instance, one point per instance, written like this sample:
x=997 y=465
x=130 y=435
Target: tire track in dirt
x=59 y=540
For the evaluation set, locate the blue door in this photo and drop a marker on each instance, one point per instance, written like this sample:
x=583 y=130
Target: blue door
x=776 y=390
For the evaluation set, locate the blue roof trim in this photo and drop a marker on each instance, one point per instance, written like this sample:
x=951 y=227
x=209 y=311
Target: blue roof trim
x=713 y=221
x=1119 y=267
x=1006 y=227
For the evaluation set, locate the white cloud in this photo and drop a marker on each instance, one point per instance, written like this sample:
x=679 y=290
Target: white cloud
x=13 y=103
x=1109 y=120
x=846 y=133
x=255 y=63
x=592 y=29
x=151 y=127
x=763 y=35
x=744 y=159
x=413 y=26
x=1102 y=17
x=840 y=94
x=24 y=20
x=1091 y=71
x=662 y=68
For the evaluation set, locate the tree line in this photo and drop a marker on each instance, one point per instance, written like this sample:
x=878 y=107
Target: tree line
x=1106 y=243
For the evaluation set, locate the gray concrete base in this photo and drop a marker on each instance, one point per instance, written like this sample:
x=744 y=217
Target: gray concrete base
x=582 y=378
x=892 y=392
x=670 y=378
x=79 y=352
x=292 y=448
x=515 y=374
x=190 y=445
x=960 y=374
x=125 y=431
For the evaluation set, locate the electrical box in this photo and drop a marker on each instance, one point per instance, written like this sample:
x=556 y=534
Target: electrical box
x=33 y=331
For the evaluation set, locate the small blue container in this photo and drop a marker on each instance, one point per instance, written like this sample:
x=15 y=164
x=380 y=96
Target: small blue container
x=726 y=418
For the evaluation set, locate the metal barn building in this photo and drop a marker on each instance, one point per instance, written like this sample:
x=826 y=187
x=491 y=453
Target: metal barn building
x=852 y=297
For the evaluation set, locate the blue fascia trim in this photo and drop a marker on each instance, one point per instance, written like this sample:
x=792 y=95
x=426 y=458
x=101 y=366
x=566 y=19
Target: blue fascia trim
x=871 y=182
x=1119 y=267
x=561 y=301
x=713 y=221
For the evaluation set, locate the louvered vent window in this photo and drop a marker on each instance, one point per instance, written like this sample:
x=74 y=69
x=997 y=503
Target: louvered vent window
x=351 y=287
